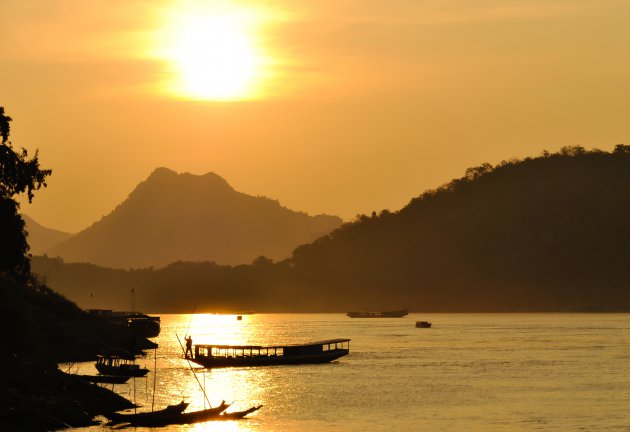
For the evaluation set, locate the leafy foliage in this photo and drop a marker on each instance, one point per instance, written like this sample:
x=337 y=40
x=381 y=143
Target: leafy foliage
x=18 y=174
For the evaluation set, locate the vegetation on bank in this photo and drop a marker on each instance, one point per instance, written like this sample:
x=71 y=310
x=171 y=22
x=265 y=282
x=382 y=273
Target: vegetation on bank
x=548 y=233
x=19 y=174
x=40 y=326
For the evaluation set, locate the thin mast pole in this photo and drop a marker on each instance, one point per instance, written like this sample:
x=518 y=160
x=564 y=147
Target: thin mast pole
x=154 y=377
x=193 y=371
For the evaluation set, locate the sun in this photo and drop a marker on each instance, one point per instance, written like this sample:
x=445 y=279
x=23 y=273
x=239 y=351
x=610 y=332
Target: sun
x=214 y=53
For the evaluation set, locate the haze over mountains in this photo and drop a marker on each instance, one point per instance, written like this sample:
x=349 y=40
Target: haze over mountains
x=184 y=217
x=41 y=238
x=549 y=233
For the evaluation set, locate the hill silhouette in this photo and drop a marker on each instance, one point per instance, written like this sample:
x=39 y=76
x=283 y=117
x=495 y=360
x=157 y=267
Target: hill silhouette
x=171 y=217
x=546 y=233
x=41 y=238
x=542 y=234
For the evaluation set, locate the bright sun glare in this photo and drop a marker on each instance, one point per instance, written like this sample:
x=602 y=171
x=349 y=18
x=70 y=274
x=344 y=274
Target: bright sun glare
x=214 y=52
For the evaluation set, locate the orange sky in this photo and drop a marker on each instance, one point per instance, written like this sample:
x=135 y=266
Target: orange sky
x=355 y=105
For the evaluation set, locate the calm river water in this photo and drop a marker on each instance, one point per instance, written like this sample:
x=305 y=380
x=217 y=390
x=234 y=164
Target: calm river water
x=469 y=372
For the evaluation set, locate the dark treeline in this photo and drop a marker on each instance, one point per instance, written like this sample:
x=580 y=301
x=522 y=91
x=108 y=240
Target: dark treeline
x=40 y=326
x=549 y=233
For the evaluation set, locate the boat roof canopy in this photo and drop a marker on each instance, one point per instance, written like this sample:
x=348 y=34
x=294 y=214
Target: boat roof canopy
x=324 y=342
x=120 y=356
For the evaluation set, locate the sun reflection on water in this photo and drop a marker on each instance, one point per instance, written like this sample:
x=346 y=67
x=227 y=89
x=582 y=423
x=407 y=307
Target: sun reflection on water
x=177 y=379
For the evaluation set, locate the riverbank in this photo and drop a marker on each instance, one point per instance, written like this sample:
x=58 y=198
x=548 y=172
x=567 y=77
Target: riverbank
x=39 y=397
x=42 y=330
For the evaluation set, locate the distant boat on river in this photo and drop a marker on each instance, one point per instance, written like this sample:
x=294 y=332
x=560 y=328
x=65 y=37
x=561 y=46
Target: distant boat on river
x=423 y=324
x=215 y=356
x=388 y=314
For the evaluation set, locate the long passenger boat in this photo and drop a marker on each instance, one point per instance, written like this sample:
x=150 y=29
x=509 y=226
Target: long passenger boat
x=215 y=356
x=388 y=314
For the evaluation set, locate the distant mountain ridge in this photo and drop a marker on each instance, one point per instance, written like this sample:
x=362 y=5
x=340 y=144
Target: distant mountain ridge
x=41 y=238
x=184 y=217
x=544 y=234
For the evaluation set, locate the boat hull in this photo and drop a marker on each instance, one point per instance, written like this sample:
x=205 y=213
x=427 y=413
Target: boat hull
x=105 y=379
x=265 y=360
x=388 y=314
x=168 y=416
x=124 y=372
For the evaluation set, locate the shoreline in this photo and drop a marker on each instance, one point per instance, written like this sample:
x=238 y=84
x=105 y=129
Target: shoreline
x=38 y=396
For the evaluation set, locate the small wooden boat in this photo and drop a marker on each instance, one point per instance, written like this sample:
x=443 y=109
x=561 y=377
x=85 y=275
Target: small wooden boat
x=238 y=414
x=423 y=324
x=121 y=366
x=387 y=314
x=105 y=379
x=215 y=356
x=118 y=418
x=169 y=416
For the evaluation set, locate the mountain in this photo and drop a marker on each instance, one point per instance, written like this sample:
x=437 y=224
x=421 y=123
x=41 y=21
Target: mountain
x=184 y=217
x=40 y=238
x=549 y=233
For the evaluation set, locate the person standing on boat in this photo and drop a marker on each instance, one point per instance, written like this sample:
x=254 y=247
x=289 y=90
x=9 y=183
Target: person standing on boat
x=188 y=347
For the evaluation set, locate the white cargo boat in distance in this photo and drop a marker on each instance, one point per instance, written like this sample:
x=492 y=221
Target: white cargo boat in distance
x=215 y=356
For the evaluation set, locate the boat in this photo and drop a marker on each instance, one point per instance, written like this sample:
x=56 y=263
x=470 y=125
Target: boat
x=388 y=314
x=238 y=414
x=120 y=366
x=174 y=415
x=423 y=324
x=105 y=379
x=118 y=418
x=139 y=324
x=216 y=356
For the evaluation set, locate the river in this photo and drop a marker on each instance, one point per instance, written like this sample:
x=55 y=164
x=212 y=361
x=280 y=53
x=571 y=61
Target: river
x=469 y=372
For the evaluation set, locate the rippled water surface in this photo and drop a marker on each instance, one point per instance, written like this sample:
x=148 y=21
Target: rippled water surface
x=479 y=372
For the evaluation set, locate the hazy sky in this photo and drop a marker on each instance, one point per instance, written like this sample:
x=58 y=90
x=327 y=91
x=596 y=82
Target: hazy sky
x=339 y=107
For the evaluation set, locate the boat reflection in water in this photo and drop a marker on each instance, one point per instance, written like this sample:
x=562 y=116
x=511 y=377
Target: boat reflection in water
x=214 y=356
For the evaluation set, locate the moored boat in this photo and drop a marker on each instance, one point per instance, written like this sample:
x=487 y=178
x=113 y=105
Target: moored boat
x=215 y=356
x=121 y=366
x=105 y=379
x=238 y=414
x=387 y=314
x=174 y=415
x=137 y=323
x=146 y=418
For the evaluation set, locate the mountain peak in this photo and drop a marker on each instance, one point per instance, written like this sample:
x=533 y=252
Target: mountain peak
x=162 y=172
x=163 y=176
x=174 y=216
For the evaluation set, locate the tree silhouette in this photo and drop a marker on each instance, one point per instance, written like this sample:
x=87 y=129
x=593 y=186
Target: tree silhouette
x=18 y=175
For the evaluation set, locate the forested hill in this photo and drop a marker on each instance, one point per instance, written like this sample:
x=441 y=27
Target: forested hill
x=549 y=233
x=546 y=233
